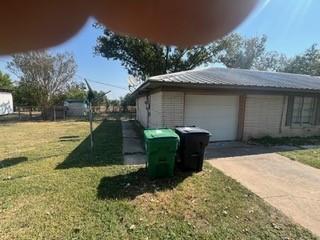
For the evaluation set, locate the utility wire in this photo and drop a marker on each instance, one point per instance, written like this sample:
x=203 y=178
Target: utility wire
x=106 y=84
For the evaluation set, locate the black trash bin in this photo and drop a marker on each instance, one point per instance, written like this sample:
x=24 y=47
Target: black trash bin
x=193 y=141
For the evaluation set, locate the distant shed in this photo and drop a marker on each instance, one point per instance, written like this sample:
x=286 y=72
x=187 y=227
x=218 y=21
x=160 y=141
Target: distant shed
x=6 y=102
x=75 y=107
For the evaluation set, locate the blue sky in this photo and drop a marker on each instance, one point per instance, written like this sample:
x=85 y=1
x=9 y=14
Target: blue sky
x=291 y=27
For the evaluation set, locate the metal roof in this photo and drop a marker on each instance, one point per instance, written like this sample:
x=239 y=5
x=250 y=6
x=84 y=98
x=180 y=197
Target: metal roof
x=237 y=78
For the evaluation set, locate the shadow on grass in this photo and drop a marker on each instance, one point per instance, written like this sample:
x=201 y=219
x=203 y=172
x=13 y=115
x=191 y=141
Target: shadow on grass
x=107 y=148
x=72 y=138
x=8 y=162
x=133 y=184
x=69 y=140
x=69 y=137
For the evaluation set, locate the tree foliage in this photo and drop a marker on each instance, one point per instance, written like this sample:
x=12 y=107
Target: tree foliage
x=271 y=61
x=76 y=91
x=43 y=76
x=240 y=52
x=143 y=59
x=127 y=100
x=100 y=98
x=305 y=63
x=26 y=94
x=250 y=53
x=5 y=81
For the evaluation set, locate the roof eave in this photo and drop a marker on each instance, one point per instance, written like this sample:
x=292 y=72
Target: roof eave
x=154 y=84
x=141 y=88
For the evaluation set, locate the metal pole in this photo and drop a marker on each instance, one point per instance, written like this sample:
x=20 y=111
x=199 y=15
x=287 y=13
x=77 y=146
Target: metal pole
x=90 y=118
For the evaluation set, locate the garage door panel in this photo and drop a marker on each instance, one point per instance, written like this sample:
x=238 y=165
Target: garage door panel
x=218 y=114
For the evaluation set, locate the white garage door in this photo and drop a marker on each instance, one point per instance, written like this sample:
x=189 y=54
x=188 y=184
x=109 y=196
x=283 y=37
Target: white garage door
x=218 y=114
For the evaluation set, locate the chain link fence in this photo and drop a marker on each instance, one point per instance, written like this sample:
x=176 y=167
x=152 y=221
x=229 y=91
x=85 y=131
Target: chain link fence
x=60 y=113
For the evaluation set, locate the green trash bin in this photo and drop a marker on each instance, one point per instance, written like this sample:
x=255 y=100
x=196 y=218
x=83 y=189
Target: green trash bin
x=161 y=147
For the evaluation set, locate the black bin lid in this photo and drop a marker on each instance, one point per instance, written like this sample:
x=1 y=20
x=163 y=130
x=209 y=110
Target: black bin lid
x=192 y=130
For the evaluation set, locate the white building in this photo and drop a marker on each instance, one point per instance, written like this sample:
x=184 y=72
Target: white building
x=6 y=102
x=75 y=108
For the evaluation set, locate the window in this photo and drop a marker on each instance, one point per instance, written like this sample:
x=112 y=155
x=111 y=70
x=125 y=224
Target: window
x=302 y=111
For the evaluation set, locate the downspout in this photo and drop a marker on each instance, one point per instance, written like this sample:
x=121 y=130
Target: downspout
x=184 y=109
x=241 y=116
x=281 y=118
x=148 y=110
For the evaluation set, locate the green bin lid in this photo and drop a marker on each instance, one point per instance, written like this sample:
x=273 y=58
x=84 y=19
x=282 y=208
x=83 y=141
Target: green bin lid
x=160 y=133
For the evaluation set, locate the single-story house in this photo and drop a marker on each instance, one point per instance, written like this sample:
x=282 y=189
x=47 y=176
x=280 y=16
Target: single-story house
x=75 y=107
x=6 y=102
x=233 y=104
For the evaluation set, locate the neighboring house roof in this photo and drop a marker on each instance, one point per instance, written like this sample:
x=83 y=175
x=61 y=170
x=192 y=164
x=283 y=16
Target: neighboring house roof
x=235 y=79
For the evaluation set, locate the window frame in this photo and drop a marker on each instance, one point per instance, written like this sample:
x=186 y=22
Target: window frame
x=315 y=111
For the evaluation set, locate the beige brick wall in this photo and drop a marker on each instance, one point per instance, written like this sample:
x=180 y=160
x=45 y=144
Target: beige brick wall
x=263 y=118
x=172 y=109
x=155 y=120
x=262 y=114
x=166 y=109
x=142 y=114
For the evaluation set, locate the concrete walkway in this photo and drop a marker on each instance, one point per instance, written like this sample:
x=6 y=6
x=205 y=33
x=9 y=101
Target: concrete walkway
x=132 y=147
x=289 y=186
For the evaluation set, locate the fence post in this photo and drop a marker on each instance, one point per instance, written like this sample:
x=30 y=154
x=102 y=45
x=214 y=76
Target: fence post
x=30 y=112
x=19 y=113
x=54 y=113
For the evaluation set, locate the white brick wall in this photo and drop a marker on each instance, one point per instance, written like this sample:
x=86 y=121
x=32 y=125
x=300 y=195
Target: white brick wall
x=142 y=114
x=155 y=120
x=172 y=109
x=166 y=109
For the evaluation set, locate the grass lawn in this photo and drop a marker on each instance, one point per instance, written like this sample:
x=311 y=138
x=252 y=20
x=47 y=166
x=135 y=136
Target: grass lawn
x=310 y=157
x=52 y=188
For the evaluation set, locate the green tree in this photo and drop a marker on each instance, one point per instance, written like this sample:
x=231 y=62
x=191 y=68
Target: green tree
x=5 y=81
x=127 y=100
x=73 y=91
x=100 y=98
x=305 y=63
x=26 y=94
x=43 y=76
x=271 y=61
x=240 y=52
x=76 y=91
x=143 y=59
x=114 y=103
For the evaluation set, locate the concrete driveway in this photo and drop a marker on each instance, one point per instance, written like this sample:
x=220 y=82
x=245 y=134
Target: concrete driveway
x=289 y=186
